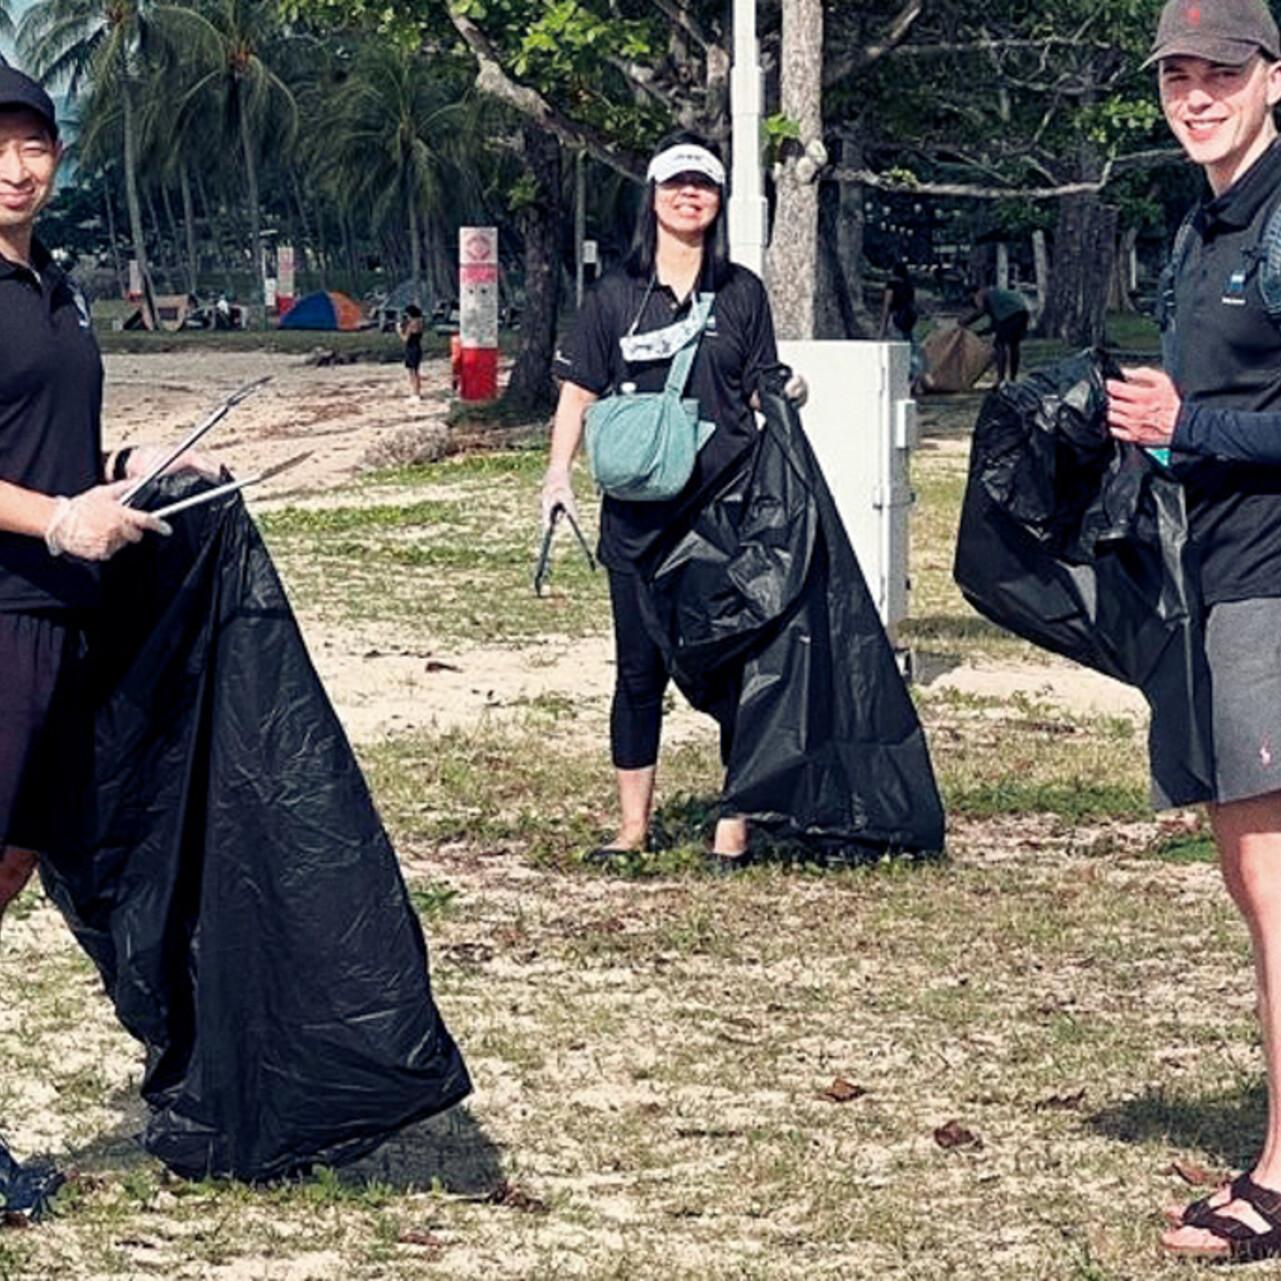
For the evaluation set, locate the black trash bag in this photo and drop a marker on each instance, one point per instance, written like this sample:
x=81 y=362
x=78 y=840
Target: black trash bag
x=758 y=603
x=225 y=868
x=26 y=1191
x=1079 y=543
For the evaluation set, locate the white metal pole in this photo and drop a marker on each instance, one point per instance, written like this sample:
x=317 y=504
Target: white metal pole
x=747 y=190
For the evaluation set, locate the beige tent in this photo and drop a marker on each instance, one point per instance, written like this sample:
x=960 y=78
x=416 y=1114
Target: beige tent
x=955 y=359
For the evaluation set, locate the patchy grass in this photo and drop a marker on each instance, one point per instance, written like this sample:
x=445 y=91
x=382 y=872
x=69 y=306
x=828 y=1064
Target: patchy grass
x=654 y=1050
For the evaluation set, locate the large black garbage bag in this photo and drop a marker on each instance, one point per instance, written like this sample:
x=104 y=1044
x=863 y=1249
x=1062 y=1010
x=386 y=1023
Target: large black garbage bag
x=759 y=605
x=226 y=870
x=1079 y=543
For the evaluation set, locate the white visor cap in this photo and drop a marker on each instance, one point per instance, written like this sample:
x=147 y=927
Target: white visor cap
x=685 y=157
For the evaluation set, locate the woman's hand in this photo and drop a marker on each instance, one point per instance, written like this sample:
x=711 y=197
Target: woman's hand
x=94 y=526
x=797 y=390
x=1144 y=408
x=558 y=491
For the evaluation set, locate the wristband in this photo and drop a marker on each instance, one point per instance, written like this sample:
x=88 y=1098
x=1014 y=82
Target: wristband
x=120 y=464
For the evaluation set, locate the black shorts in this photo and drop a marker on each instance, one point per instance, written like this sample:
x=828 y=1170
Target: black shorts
x=413 y=357
x=44 y=736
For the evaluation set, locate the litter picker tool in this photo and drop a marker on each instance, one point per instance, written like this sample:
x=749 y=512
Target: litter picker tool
x=194 y=435
x=220 y=491
x=544 y=569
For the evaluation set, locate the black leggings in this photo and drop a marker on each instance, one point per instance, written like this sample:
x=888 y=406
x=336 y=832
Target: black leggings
x=1007 y=336
x=636 y=717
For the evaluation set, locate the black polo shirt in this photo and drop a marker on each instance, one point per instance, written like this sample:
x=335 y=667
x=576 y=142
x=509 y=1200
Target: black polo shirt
x=50 y=412
x=736 y=349
x=1229 y=356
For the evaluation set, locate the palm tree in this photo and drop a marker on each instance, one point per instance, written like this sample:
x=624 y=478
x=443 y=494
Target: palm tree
x=230 y=42
x=98 y=44
x=395 y=139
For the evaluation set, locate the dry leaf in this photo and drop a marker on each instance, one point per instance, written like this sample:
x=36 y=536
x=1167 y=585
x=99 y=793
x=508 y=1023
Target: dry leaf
x=955 y=1135
x=1191 y=1174
x=435 y=665
x=1062 y=1102
x=425 y=1240
x=842 y=1091
x=514 y=1197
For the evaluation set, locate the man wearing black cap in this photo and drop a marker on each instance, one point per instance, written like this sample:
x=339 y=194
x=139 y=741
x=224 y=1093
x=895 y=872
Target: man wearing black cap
x=56 y=515
x=1217 y=407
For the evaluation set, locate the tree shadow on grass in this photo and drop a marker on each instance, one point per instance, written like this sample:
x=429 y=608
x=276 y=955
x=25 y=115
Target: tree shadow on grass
x=1227 y=1127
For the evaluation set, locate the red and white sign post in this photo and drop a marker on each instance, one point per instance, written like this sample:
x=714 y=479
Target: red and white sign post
x=285 y=279
x=478 y=312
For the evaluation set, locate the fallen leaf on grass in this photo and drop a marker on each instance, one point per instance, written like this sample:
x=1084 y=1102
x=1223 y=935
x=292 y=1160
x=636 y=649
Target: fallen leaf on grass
x=1193 y=1175
x=842 y=1091
x=1061 y=1102
x=514 y=1197
x=425 y=1240
x=955 y=1135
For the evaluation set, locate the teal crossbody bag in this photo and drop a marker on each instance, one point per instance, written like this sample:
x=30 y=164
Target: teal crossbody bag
x=642 y=445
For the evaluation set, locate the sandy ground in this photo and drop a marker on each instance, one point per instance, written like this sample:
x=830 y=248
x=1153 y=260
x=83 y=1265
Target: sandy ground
x=378 y=684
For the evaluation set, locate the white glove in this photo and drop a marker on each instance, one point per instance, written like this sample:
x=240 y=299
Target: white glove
x=558 y=491
x=94 y=526
x=142 y=458
x=797 y=390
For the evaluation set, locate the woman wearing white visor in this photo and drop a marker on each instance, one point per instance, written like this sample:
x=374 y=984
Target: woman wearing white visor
x=627 y=335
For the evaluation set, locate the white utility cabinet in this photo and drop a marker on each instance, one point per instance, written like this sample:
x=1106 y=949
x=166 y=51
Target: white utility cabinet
x=861 y=422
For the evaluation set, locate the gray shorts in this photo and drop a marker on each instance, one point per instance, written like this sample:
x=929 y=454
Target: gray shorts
x=1243 y=646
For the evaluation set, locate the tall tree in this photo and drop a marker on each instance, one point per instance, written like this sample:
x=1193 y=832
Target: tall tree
x=792 y=264
x=396 y=135
x=98 y=43
x=232 y=43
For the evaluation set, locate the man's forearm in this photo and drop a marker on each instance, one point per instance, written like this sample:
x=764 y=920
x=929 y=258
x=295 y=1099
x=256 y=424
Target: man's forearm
x=1235 y=435
x=23 y=511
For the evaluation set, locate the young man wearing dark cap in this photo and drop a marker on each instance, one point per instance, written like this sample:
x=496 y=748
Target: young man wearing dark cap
x=57 y=516
x=1217 y=406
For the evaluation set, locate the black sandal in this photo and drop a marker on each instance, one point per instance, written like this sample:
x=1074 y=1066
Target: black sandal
x=1244 y=1243
x=1193 y=1214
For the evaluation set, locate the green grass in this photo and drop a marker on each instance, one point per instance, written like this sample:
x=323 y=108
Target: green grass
x=651 y=1049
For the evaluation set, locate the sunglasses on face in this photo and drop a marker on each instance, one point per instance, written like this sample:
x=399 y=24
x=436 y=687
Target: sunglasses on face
x=678 y=181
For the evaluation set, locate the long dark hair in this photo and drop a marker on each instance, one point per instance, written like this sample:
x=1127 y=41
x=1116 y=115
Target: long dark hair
x=644 y=252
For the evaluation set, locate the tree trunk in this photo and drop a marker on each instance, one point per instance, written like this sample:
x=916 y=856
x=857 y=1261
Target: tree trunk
x=851 y=229
x=132 y=202
x=189 y=228
x=255 y=210
x=1041 y=260
x=415 y=250
x=1119 y=290
x=122 y=284
x=530 y=388
x=1002 y=265
x=834 y=316
x=792 y=261
x=1084 y=248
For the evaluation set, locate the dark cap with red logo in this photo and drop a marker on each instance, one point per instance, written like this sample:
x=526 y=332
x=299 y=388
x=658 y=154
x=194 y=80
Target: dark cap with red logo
x=1226 y=31
x=19 y=92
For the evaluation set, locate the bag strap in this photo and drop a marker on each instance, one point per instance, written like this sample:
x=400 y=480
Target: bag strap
x=1270 y=266
x=682 y=362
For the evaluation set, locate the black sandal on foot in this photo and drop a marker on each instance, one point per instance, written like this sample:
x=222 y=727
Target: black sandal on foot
x=718 y=864
x=1191 y=1215
x=1241 y=1242
x=609 y=855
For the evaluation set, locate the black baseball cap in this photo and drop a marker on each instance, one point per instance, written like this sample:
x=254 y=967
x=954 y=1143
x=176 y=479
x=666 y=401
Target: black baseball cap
x=1226 y=31
x=18 y=90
